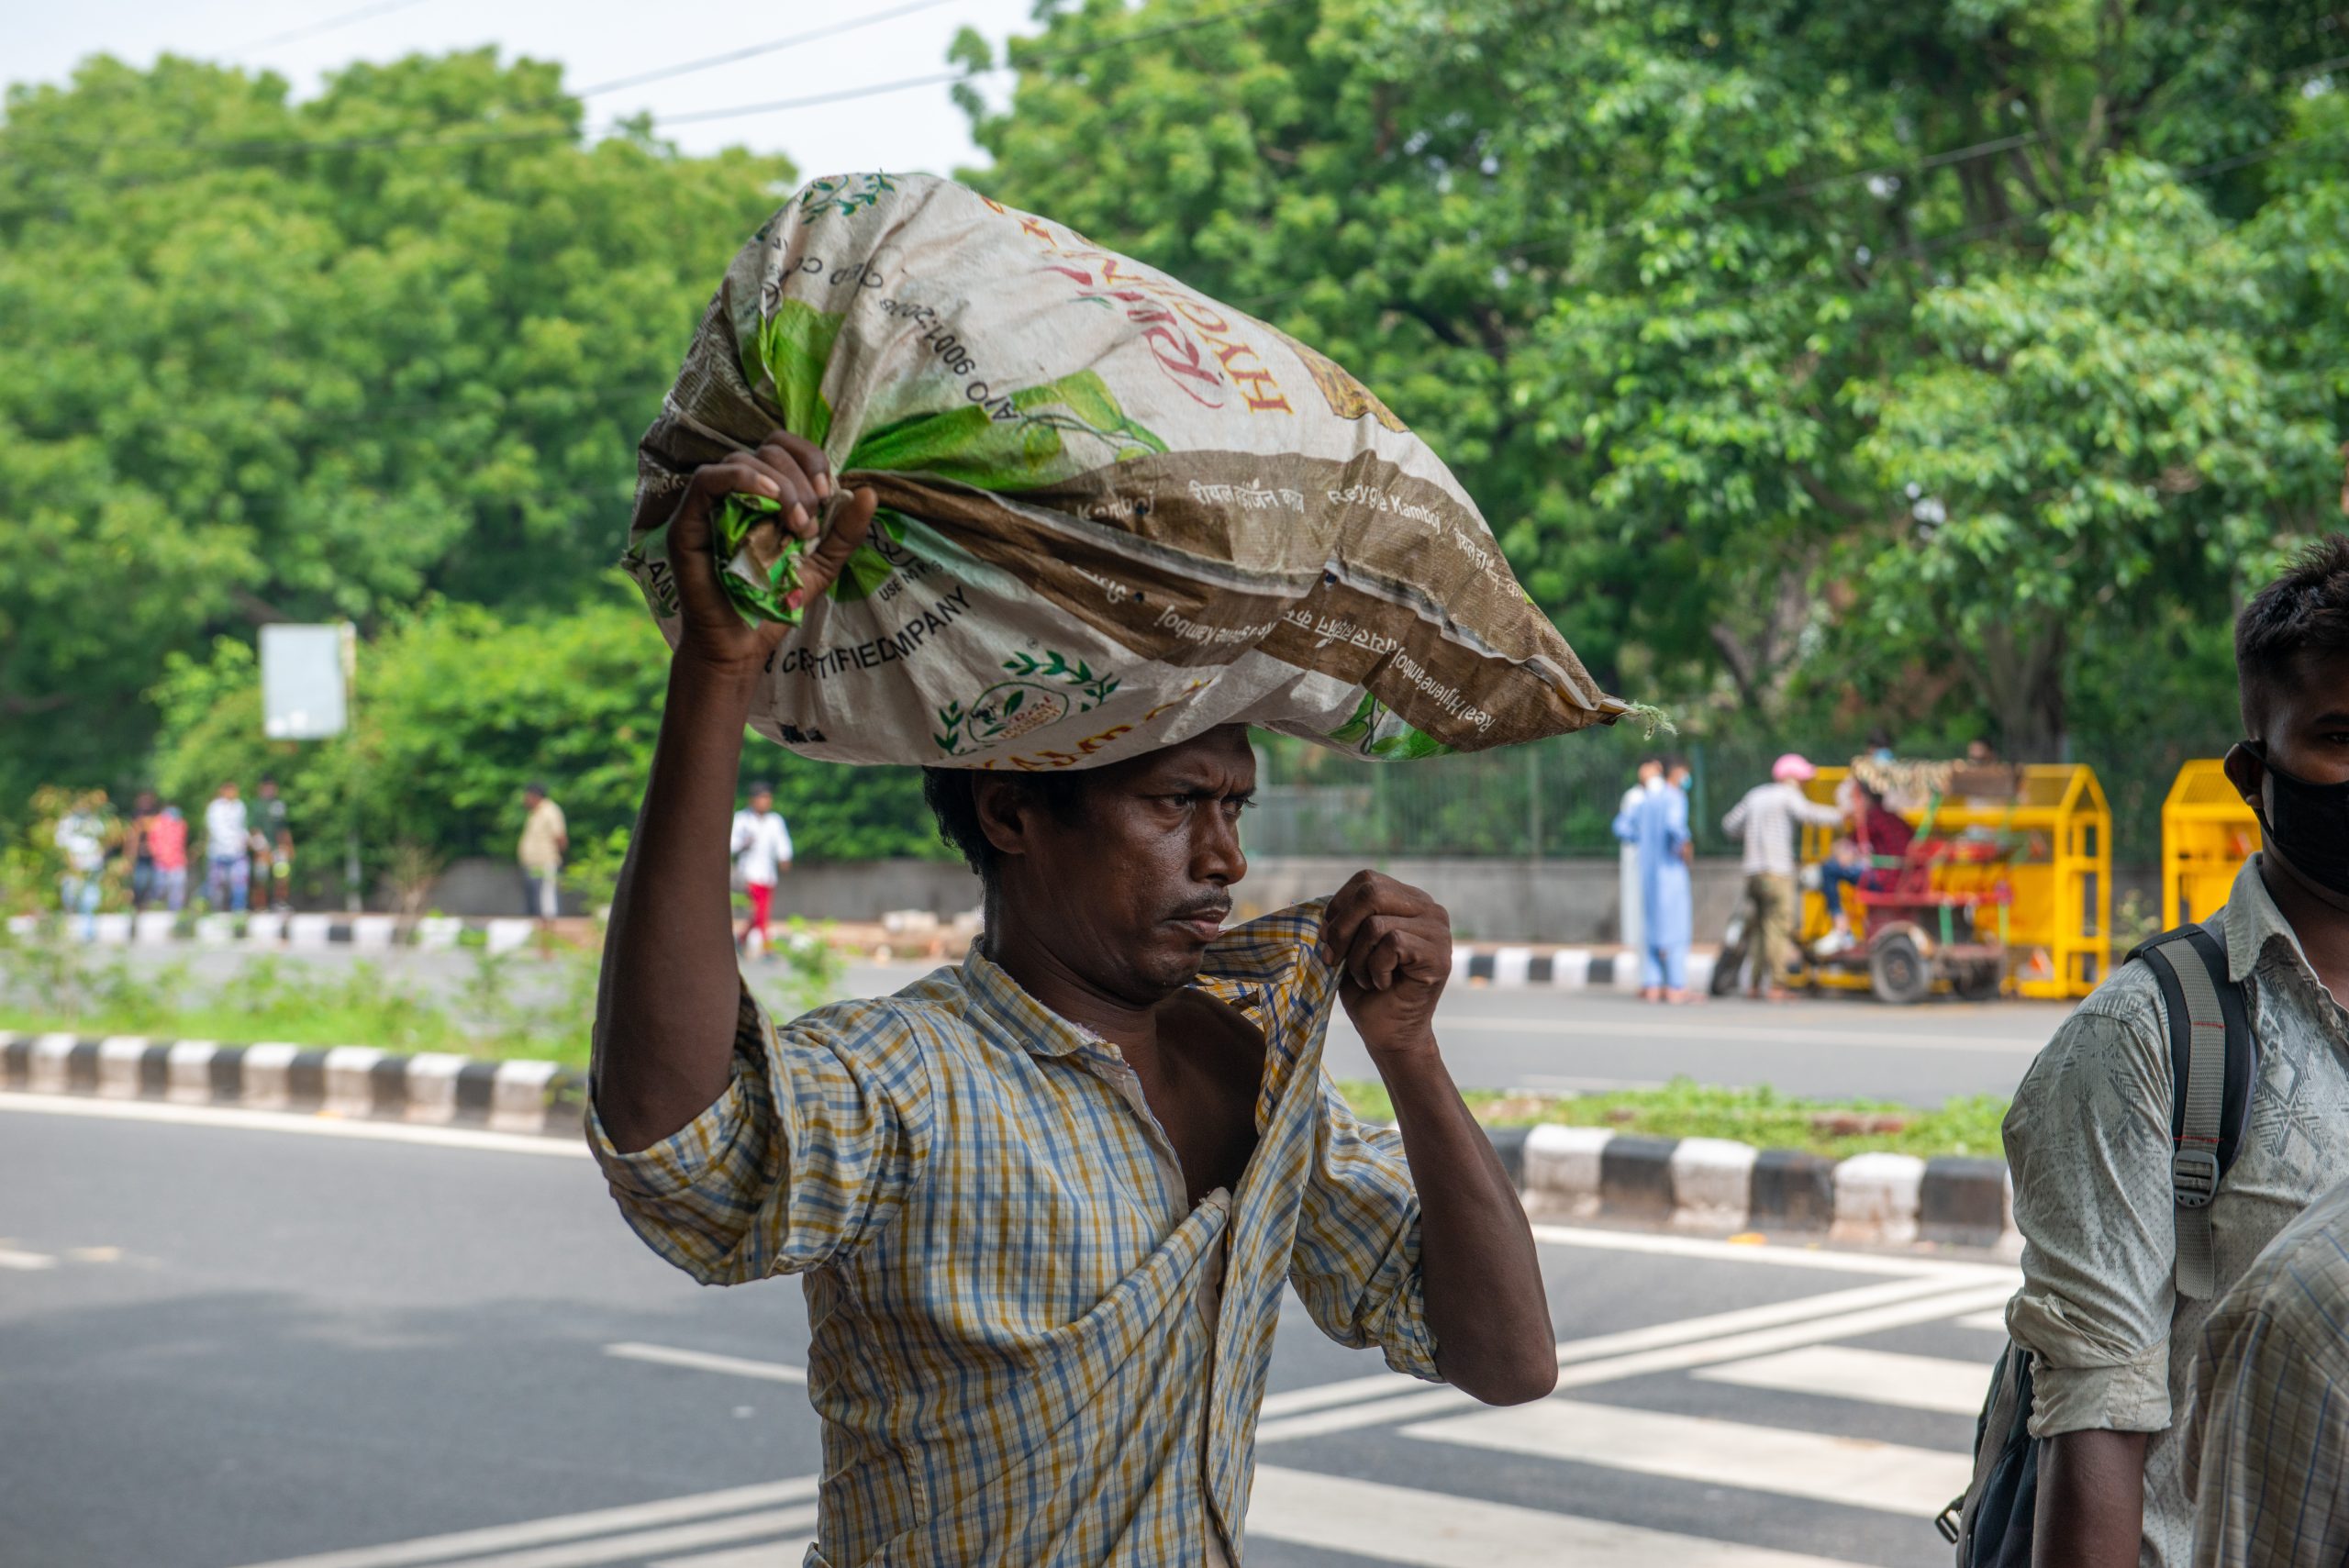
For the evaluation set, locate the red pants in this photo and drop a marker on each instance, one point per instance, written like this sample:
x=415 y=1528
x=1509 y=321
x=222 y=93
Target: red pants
x=762 y=902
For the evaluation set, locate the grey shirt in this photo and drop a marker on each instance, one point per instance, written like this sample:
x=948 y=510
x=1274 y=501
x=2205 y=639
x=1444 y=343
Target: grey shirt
x=1766 y=816
x=2088 y=1140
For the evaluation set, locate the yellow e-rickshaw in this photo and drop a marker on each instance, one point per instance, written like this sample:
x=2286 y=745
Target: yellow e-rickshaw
x=2006 y=889
x=2208 y=831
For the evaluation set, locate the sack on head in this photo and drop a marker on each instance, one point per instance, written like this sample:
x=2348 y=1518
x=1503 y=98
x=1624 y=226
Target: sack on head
x=1114 y=513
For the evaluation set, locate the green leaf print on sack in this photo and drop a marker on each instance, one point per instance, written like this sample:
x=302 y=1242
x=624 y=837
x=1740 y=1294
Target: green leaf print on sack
x=1375 y=731
x=1052 y=431
x=793 y=347
x=1009 y=710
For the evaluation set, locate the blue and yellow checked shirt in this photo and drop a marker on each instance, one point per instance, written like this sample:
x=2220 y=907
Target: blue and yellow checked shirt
x=1004 y=1274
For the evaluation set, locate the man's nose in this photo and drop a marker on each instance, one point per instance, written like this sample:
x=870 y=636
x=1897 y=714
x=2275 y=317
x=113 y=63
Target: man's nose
x=1215 y=855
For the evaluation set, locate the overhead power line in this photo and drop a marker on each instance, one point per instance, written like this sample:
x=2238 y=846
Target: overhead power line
x=311 y=30
x=751 y=51
x=469 y=137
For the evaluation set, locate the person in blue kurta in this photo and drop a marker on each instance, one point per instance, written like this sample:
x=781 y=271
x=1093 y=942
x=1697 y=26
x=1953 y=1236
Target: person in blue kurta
x=1656 y=825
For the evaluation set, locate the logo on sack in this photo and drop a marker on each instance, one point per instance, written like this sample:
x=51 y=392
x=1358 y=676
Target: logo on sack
x=1026 y=703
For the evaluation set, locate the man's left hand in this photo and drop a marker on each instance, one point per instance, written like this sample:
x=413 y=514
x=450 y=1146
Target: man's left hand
x=1392 y=947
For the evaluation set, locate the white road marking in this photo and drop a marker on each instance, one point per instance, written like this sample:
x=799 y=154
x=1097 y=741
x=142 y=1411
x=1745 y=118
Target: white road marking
x=647 y=1543
x=785 y=1553
x=290 y=1121
x=1431 y=1529
x=705 y=1361
x=1778 y=1034
x=1784 y=1257
x=1880 y=1377
x=26 y=1262
x=1391 y=1384
x=1994 y=1321
x=1855 y=1472
x=1639 y=1363
x=564 y=1526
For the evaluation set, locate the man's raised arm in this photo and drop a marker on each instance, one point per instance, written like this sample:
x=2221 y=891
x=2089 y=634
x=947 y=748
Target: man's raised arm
x=666 y=1004
x=1482 y=1279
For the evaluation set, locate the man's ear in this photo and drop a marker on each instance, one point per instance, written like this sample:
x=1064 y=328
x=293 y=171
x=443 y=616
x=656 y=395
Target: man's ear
x=1005 y=811
x=2246 y=772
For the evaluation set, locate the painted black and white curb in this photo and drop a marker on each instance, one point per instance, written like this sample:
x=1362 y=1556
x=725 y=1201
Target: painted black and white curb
x=1713 y=1184
x=1698 y=1185
x=355 y=1081
x=159 y=926
x=1561 y=969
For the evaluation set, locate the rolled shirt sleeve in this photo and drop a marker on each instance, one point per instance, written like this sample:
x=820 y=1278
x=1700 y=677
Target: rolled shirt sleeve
x=809 y=1149
x=1355 y=1264
x=2088 y=1140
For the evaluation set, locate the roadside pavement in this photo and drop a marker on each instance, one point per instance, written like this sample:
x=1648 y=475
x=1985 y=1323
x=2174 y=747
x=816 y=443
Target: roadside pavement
x=224 y=1346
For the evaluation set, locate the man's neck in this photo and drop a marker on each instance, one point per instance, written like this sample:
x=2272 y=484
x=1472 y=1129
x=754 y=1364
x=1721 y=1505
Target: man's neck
x=1125 y=1023
x=2321 y=925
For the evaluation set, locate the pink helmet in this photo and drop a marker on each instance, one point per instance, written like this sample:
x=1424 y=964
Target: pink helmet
x=1794 y=767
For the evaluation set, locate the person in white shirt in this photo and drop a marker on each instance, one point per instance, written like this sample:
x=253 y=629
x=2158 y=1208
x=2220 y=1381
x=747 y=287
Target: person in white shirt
x=227 y=838
x=761 y=853
x=81 y=833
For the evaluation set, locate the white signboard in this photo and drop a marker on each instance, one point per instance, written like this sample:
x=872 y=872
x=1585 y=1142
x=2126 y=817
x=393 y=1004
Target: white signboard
x=305 y=680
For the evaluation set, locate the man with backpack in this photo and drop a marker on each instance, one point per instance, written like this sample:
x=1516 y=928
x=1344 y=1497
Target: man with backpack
x=2149 y=1168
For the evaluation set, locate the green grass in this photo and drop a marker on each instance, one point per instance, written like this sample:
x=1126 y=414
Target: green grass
x=1685 y=1108
x=49 y=986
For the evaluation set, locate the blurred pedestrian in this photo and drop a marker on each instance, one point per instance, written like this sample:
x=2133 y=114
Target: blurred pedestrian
x=1655 y=824
x=761 y=843
x=546 y=838
x=144 y=808
x=1879 y=834
x=81 y=834
x=165 y=840
x=1767 y=820
x=227 y=840
x=1629 y=899
x=273 y=846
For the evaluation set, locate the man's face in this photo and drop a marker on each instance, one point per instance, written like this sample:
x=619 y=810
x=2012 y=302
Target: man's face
x=762 y=802
x=531 y=797
x=268 y=790
x=1650 y=772
x=1128 y=893
x=228 y=792
x=2307 y=726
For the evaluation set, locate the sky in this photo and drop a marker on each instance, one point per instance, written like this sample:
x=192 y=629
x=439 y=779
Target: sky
x=597 y=42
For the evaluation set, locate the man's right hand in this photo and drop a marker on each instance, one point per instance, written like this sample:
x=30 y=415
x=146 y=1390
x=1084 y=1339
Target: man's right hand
x=787 y=469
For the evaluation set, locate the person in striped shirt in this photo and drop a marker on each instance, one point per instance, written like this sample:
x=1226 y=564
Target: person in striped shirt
x=1046 y=1204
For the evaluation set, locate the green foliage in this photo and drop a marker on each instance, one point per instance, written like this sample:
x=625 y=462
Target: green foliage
x=459 y=707
x=268 y=360
x=1831 y=364
x=1763 y=1117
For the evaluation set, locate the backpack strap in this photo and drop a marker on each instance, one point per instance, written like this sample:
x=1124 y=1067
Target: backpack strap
x=2213 y=1061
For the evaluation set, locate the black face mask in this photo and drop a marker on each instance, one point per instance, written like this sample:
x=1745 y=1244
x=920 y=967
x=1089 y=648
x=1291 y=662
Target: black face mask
x=2307 y=823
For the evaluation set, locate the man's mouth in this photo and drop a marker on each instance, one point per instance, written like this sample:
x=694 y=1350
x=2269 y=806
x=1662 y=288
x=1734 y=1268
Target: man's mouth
x=1204 y=920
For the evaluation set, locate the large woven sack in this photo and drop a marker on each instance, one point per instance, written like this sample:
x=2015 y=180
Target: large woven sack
x=1114 y=513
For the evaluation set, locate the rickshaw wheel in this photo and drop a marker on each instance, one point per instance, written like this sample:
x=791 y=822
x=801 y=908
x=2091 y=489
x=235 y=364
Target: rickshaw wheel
x=1897 y=971
x=1978 y=982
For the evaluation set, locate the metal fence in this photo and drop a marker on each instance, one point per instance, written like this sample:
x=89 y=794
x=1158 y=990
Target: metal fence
x=1559 y=797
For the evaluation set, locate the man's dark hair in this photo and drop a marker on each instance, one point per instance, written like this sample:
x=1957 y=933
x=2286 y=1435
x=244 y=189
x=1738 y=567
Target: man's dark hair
x=2304 y=612
x=534 y=787
x=1674 y=762
x=269 y=781
x=949 y=793
x=759 y=788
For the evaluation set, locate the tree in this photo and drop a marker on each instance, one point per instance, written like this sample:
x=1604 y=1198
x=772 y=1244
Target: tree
x=1684 y=292
x=459 y=707
x=269 y=360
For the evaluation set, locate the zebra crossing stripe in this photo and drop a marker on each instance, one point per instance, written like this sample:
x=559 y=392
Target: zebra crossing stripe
x=1879 y=1377
x=1434 y=1529
x=469 y=1545
x=1855 y=1472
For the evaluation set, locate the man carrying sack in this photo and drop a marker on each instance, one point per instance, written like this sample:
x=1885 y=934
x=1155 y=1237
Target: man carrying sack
x=1046 y=1203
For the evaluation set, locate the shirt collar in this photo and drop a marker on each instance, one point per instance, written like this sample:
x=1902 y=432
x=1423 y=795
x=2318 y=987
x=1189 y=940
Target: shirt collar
x=1239 y=967
x=2254 y=921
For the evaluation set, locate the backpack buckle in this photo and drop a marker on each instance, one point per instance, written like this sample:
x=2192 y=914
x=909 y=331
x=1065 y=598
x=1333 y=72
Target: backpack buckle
x=2193 y=1175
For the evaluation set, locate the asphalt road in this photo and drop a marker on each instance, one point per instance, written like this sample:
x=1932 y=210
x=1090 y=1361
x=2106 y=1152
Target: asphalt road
x=224 y=1346
x=1533 y=1038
